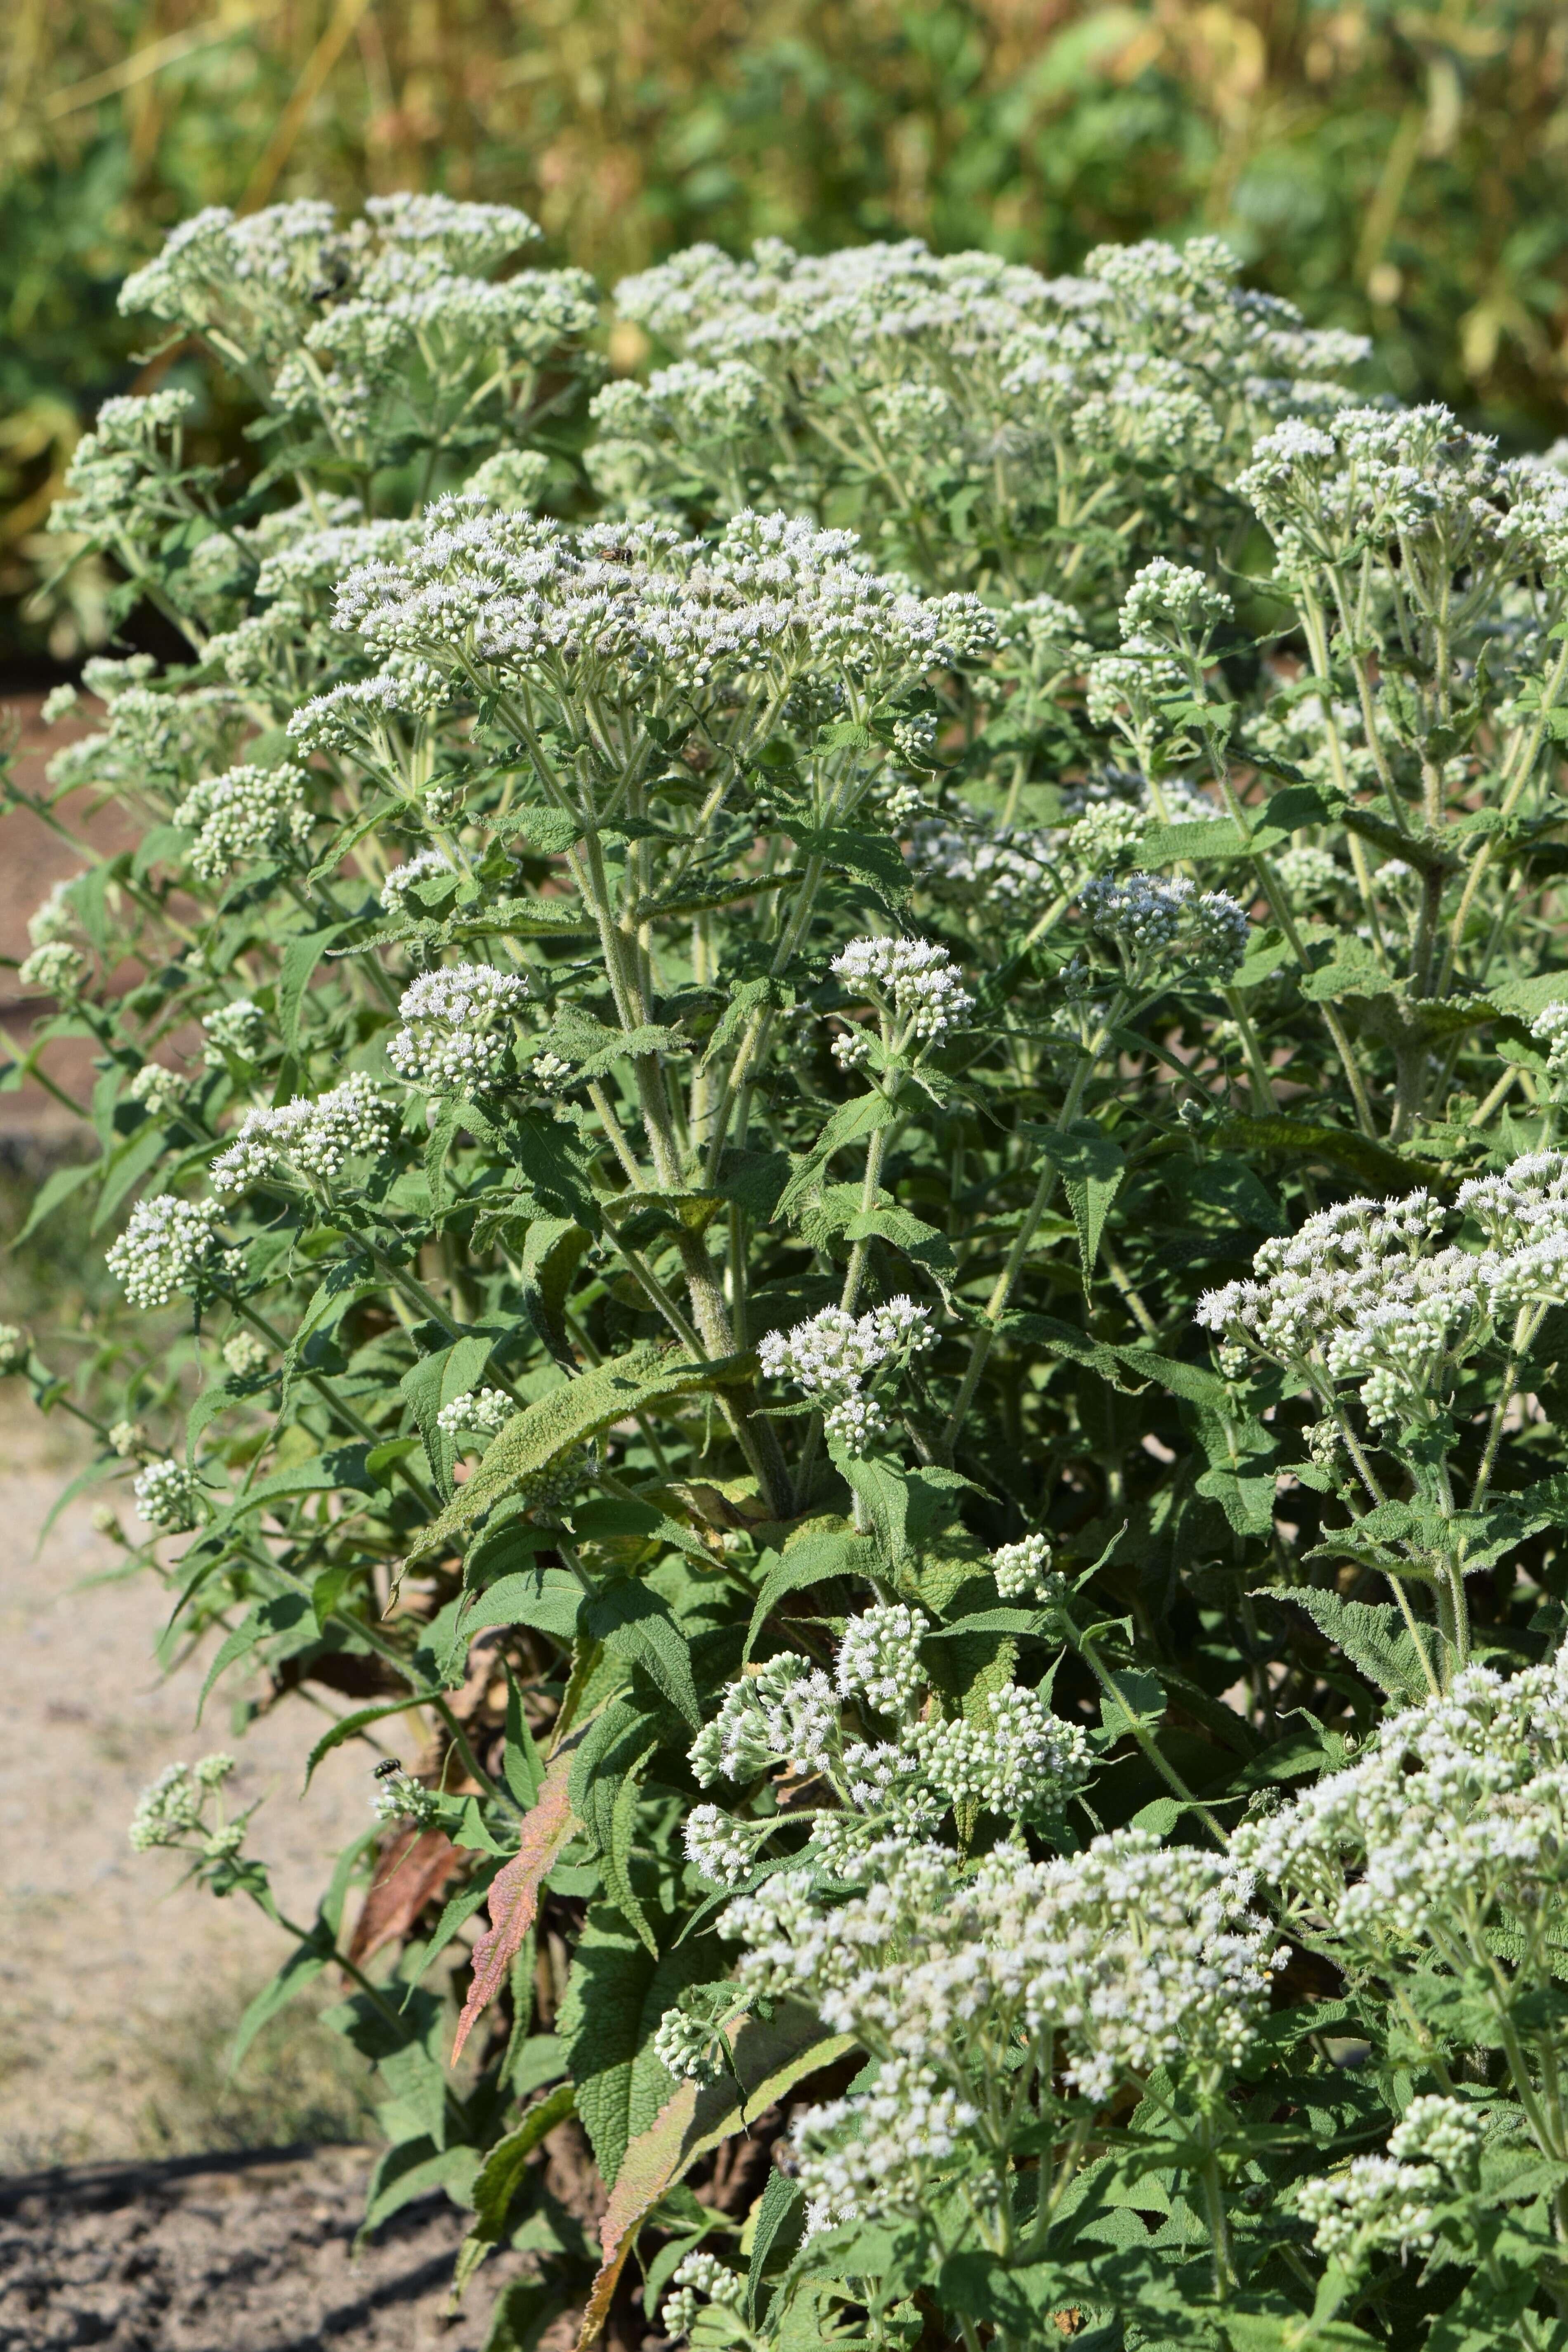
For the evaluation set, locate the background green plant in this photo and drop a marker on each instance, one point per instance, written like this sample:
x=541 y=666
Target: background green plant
x=1400 y=170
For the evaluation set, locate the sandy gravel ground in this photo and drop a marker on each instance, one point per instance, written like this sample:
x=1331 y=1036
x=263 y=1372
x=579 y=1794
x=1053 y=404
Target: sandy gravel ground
x=120 y=1990
x=114 y=1978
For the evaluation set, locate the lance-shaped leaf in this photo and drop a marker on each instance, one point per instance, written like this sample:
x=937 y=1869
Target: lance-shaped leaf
x=577 y=1410
x=768 y=2060
x=1092 y=1170
x=501 y=2175
x=515 y=1891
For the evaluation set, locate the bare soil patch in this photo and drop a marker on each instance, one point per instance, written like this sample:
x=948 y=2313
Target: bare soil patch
x=208 y=2255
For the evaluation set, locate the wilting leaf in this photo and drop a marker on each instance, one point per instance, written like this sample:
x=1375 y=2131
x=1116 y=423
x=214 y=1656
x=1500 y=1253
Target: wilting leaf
x=769 y=2060
x=415 y=1866
x=515 y=1891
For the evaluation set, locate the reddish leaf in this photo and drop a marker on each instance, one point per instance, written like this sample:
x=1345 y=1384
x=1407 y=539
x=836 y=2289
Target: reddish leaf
x=515 y=1891
x=416 y=1866
x=769 y=2060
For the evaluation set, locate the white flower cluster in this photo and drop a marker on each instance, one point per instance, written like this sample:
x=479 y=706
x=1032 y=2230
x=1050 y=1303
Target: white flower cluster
x=167 y=1497
x=314 y=1138
x=399 y=1797
x=880 y=2152
x=245 y=1355
x=1173 y=599
x=402 y=880
x=1411 y=477
x=1308 y=874
x=159 y=1089
x=917 y=977
x=457 y=1028
x=1158 y=923
x=1457 y=1807
x=239 y=1028
x=1375 y=2204
x=773 y=598
x=56 y=968
x=1384 y=2203
x=53 y=918
x=484 y=1411
x=1012 y=1755
x=705 y=2275
x=833 y=1356
x=785 y=1712
x=169 y=1808
x=966 y=847
x=853 y=1049
x=1360 y=1292
x=166 y=1247
x=879 y=1656
x=1024 y=1573
x=15 y=1348
x=1104 y=1965
x=956 y=369
x=684 y=2046
x=245 y=813
x=1550 y=1028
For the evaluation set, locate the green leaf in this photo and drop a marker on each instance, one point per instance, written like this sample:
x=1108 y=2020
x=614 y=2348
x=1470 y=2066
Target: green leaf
x=567 y=1416
x=782 y=2207
x=852 y=1121
x=1372 y=1635
x=266 y=1619
x=871 y=857
x=522 y=1766
x=551 y=1249
x=616 y=1852
x=808 y=1559
x=348 y=1727
x=438 y=1381
x=616 y=1996
x=911 y=1236
x=499 y=2178
x=635 y=1623
x=549 y=1599
x=295 y=973
x=55 y=1189
x=1092 y=1170
x=768 y=2058
x=1370 y=1163
x=1061 y=1339
x=1207 y=841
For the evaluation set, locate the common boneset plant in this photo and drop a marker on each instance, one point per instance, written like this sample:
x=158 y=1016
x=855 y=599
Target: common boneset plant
x=834 y=1128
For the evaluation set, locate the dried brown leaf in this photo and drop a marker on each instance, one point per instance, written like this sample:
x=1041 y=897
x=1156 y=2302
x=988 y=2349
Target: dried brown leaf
x=416 y=1866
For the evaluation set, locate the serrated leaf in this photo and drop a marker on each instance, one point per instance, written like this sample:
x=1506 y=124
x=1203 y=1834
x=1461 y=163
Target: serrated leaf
x=515 y=1891
x=438 y=1381
x=566 y=1417
x=849 y=1124
x=769 y=2060
x=1091 y=1168
x=1372 y=1635
x=619 y=1991
x=635 y=1623
x=500 y=2176
x=552 y=1250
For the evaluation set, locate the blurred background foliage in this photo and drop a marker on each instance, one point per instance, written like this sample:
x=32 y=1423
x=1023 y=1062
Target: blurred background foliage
x=1399 y=170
